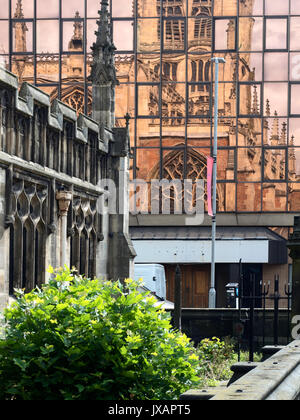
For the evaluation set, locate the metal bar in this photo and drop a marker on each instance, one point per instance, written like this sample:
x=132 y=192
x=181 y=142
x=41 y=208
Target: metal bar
x=212 y=291
x=276 y=310
x=178 y=299
x=251 y=323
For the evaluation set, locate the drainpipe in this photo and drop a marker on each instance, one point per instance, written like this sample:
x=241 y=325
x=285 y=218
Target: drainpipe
x=64 y=199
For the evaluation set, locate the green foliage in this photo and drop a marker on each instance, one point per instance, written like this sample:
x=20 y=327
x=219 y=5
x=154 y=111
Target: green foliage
x=78 y=339
x=216 y=357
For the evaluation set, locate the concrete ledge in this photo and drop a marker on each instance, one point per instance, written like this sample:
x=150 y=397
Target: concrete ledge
x=241 y=369
x=269 y=351
x=202 y=394
x=276 y=379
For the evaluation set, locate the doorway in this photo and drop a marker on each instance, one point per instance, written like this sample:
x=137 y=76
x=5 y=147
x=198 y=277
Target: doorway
x=195 y=284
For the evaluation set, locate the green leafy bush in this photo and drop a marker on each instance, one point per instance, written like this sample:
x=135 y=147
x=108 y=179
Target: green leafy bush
x=216 y=358
x=91 y=340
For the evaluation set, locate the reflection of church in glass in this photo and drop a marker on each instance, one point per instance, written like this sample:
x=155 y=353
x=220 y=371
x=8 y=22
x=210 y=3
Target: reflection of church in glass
x=248 y=163
x=47 y=65
x=174 y=101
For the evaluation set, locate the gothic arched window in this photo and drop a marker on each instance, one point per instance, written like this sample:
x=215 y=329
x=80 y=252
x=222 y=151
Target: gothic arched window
x=181 y=165
x=28 y=235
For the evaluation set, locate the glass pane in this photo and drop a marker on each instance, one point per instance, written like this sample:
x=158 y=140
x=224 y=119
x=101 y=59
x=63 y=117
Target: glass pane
x=4 y=9
x=275 y=168
x=174 y=34
x=275 y=131
x=250 y=99
x=24 y=72
x=4 y=61
x=73 y=36
x=277 y=95
x=44 y=43
x=148 y=35
x=173 y=69
x=148 y=100
x=275 y=197
x=276 y=66
x=200 y=33
x=224 y=34
x=148 y=132
x=90 y=33
x=199 y=133
x=173 y=132
x=125 y=68
x=277 y=7
x=152 y=9
x=295 y=99
x=199 y=100
x=294 y=132
x=293 y=198
x=173 y=100
x=295 y=28
x=47 y=68
x=228 y=192
x=225 y=170
x=122 y=9
x=72 y=65
x=249 y=164
x=70 y=9
x=294 y=166
x=225 y=8
x=147 y=162
x=227 y=107
x=124 y=100
x=295 y=66
x=253 y=8
x=199 y=68
x=248 y=197
x=254 y=26
x=123 y=35
x=51 y=11
x=22 y=37
x=295 y=7
x=250 y=132
x=93 y=7
x=251 y=67
x=276 y=34
x=4 y=38
x=26 y=11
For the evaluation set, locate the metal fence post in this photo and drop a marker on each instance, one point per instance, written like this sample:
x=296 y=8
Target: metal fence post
x=178 y=299
x=251 y=326
x=276 y=309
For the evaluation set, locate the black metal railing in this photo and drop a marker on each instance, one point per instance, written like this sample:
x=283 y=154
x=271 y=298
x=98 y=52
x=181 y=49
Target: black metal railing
x=264 y=296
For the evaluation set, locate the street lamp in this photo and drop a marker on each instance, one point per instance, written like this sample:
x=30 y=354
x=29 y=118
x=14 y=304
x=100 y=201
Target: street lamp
x=212 y=291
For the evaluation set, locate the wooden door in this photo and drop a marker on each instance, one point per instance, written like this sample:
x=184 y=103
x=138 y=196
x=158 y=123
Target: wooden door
x=195 y=285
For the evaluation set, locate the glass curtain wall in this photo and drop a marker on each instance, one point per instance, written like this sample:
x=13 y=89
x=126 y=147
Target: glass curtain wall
x=164 y=48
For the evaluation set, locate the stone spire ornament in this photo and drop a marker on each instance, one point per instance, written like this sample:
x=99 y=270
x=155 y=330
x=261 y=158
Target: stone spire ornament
x=268 y=108
x=255 y=109
x=275 y=130
x=19 y=10
x=283 y=137
x=103 y=75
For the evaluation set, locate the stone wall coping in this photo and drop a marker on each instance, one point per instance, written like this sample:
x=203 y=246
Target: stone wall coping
x=58 y=112
x=45 y=172
x=278 y=378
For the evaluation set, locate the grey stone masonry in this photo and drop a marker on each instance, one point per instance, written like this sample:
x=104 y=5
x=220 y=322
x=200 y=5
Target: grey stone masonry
x=44 y=149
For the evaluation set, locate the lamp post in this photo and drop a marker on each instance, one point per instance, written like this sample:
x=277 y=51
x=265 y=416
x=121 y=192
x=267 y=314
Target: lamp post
x=212 y=291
